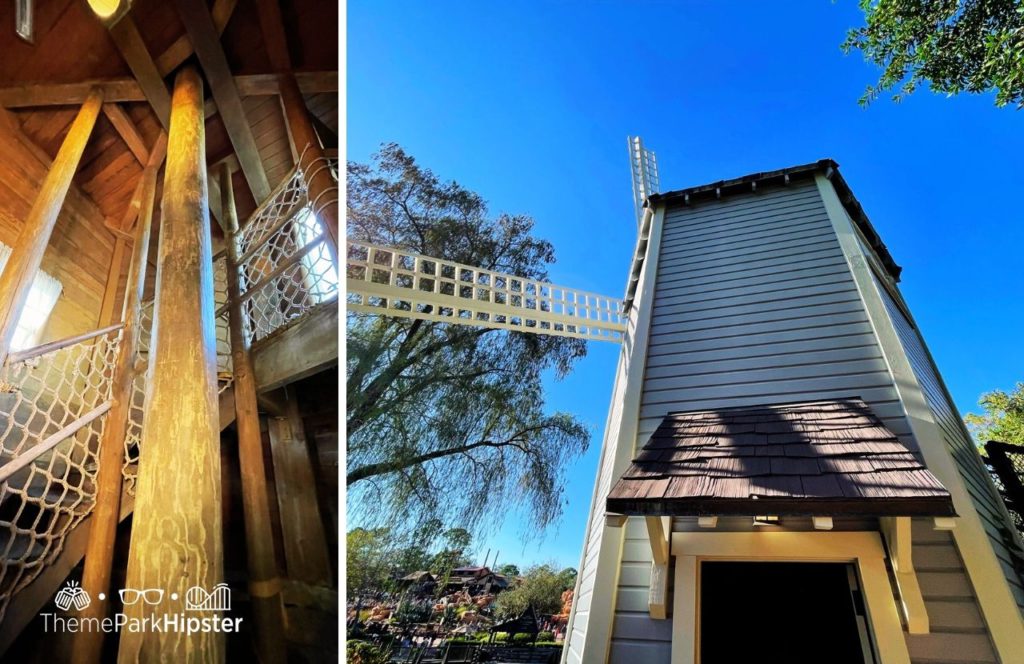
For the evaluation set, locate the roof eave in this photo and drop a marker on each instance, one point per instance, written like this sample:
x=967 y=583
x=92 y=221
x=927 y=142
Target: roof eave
x=783 y=177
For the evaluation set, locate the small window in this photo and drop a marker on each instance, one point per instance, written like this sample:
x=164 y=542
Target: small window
x=320 y=276
x=42 y=298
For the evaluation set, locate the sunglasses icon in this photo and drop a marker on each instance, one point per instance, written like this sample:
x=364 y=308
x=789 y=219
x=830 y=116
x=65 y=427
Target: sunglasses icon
x=131 y=596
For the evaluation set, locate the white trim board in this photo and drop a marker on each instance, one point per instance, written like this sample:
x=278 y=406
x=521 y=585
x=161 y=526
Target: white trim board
x=863 y=549
x=990 y=586
x=618 y=448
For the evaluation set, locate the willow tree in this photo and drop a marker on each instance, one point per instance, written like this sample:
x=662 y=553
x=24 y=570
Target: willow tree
x=448 y=422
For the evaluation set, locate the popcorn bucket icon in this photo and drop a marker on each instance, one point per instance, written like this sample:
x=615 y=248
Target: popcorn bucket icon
x=72 y=595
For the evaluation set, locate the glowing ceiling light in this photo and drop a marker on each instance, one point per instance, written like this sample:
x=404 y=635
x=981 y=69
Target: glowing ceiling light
x=107 y=9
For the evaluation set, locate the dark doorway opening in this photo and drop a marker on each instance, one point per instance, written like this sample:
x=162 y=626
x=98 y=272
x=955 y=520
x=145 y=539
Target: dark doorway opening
x=792 y=613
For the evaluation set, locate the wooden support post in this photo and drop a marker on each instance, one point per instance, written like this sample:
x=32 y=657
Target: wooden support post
x=306 y=147
x=177 y=539
x=27 y=252
x=99 y=553
x=305 y=545
x=264 y=584
x=896 y=530
x=659 y=530
x=114 y=280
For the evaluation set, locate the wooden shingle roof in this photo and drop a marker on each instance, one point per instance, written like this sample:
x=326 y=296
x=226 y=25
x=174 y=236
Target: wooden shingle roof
x=816 y=458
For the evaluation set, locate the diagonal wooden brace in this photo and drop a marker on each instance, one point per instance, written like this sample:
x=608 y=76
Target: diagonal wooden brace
x=896 y=531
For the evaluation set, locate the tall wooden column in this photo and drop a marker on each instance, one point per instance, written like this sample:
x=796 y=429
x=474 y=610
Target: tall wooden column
x=309 y=154
x=99 y=553
x=305 y=545
x=264 y=584
x=27 y=252
x=177 y=539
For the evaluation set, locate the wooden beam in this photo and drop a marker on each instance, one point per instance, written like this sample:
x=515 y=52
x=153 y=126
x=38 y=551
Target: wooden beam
x=268 y=85
x=128 y=131
x=896 y=531
x=27 y=252
x=305 y=544
x=181 y=49
x=99 y=557
x=156 y=158
x=106 y=316
x=658 y=530
x=657 y=592
x=206 y=42
x=119 y=90
x=303 y=349
x=129 y=42
x=264 y=584
x=306 y=147
x=177 y=539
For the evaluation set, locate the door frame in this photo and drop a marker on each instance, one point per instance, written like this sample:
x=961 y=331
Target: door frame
x=862 y=549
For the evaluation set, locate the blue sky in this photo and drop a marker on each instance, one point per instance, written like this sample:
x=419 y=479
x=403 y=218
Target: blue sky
x=529 y=104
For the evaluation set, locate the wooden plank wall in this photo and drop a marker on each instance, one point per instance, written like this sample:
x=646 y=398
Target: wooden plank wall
x=80 y=249
x=958 y=441
x=755 y=304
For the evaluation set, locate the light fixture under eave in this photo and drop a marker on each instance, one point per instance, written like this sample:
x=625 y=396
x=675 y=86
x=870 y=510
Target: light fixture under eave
x=766 y=520
x=110 y=10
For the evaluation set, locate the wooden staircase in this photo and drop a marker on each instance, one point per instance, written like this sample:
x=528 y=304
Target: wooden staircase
x=305 y=347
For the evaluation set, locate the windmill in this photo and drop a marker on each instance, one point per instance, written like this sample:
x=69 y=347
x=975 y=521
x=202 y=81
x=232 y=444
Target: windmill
x=774 y=401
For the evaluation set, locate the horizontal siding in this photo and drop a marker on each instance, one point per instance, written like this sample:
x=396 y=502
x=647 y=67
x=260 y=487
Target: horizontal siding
x=957 y=630
x=754 y=304
x=958 y=442
x=636 y=637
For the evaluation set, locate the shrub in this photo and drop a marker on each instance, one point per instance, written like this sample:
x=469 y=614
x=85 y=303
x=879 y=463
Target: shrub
x=548 y=643
x=545 y=636
x=501 y=637
x=522 y=638
x=363 y=652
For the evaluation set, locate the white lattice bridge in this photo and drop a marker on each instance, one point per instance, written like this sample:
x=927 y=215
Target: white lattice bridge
x=389 y=281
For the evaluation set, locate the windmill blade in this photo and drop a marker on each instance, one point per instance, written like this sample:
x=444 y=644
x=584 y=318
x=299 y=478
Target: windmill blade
x=392 y=282
x=644 y=167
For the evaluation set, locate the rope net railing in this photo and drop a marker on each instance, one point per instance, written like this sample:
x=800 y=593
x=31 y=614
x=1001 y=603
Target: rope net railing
x=285 y=265
x=54 y=399
x=53 y=405
x=386 y=280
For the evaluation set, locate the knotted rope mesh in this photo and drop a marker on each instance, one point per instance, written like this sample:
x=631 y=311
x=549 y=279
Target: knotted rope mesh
x=286 y=266
x=54 y=400
x=52 y=412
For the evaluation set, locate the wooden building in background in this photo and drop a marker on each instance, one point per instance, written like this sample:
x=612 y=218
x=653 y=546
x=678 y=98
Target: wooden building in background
x=168 y=325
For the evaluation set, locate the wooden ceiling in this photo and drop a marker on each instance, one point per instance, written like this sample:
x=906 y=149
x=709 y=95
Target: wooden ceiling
x=72 y=46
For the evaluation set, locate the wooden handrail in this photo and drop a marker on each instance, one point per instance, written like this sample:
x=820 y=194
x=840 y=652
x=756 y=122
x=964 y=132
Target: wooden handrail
x=29 y=353
x=51 y=441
